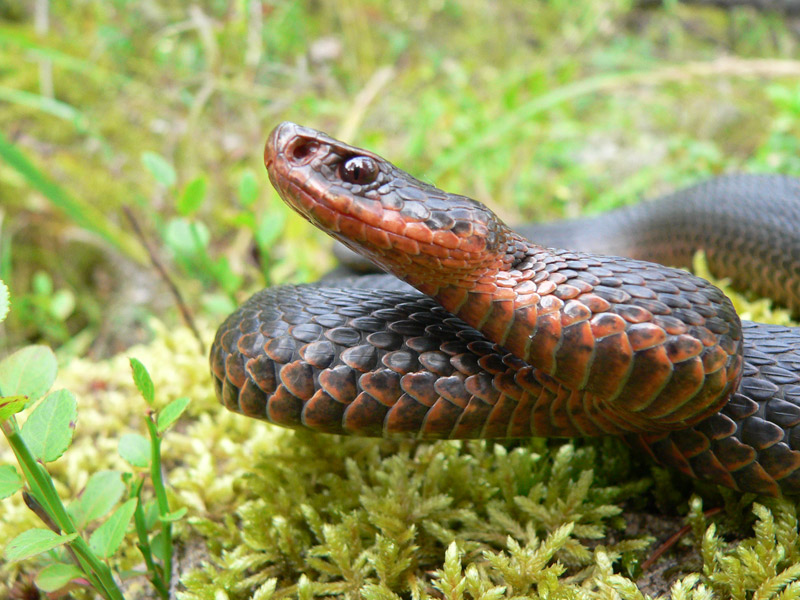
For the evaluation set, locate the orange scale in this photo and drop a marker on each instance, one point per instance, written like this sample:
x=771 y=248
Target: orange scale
x=499 y=322
x=352 y=228
x=340 y=203
x=546 y=287
x=713 y=359
x=378 y=238
x=473 y=243
x=326 y=217
x=434 y=250
x=606 y=324
x=476 y=309
x=448 y=239
x=582 y=286
x=683 y=347
x=403 y=244
x=646 y=335
x=574 y=312
x=456 y=263
x=419 y=232
x=524 y=300
x=595 y=303
x=485 y=288
x=453 y=297
x=505 y=294
x=440 y=420
x=705 y=336
x=542 y=347
x=394 y=222
x=550 y=304
x=372 y=213
x=526 y=287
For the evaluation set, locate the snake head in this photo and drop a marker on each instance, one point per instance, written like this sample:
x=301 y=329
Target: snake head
x=414 y=230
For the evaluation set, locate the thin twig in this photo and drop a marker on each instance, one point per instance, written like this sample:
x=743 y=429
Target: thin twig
x=162 y=271
x=672 y=540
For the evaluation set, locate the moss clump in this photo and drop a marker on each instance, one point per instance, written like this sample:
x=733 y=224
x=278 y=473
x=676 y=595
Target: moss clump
x=374 y=518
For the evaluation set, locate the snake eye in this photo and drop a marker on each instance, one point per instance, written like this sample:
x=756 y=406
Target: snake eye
x=360 y=170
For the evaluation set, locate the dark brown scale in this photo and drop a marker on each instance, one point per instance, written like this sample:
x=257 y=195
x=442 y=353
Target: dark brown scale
x=441 y=419
x=381 y=384
x=365 y=416
x=405 y=417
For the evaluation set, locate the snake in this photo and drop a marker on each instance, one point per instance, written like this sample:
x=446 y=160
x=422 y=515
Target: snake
x=479 y=331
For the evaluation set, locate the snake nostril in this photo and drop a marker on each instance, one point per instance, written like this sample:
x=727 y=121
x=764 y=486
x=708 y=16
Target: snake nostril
x=303 y=149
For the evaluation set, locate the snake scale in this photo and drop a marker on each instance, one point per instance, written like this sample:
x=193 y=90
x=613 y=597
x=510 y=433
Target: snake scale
x=511 y=338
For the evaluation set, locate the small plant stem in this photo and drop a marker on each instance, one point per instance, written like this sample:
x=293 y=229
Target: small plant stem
x=42 y=488
x=144 y=543
x=186 y=313
x=161 y=495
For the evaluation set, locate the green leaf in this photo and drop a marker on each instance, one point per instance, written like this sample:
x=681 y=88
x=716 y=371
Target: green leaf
x=135 y=449
x=48 y=430
x=170 y=413
x=175 y=515
x=35 y=541
x=142 y=380
x=102 y=492
x=11 y=405
x=192 y=196
x=5 y=301
x=28 y=372
x=42 y=283
x=55 y=576
x=62 y=304
x=10 y=481
x=159 y=168
x=271 y=226
x=186 y=238
x=248 y=188
x=106 y=539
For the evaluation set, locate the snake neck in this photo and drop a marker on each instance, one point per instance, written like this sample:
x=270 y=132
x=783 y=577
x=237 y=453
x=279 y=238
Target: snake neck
x=617 y=329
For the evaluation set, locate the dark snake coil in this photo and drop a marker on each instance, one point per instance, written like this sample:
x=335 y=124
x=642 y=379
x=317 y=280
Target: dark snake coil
x=517 y=339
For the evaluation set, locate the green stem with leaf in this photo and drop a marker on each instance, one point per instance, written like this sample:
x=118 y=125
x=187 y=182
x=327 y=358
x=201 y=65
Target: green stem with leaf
x=43 y=490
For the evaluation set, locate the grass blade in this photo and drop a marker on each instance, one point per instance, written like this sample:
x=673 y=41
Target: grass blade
x=80 y=212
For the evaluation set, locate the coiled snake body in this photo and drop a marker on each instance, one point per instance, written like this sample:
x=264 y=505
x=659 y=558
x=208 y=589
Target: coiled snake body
x=516 y=339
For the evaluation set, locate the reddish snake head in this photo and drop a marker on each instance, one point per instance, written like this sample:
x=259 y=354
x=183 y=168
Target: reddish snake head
x=436 y=240
x=642 y=346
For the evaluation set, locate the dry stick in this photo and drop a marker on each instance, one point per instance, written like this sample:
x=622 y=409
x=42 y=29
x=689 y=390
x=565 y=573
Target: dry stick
x=672 y=540
x=162 y=271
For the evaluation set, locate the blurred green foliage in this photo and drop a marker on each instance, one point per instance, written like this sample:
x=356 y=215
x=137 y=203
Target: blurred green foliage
x=541 y=109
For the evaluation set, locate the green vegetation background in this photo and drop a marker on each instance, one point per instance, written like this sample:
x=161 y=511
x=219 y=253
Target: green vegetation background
x=540 y=109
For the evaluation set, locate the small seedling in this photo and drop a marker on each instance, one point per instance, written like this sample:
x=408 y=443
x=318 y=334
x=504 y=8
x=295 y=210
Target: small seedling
x=80 y=537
